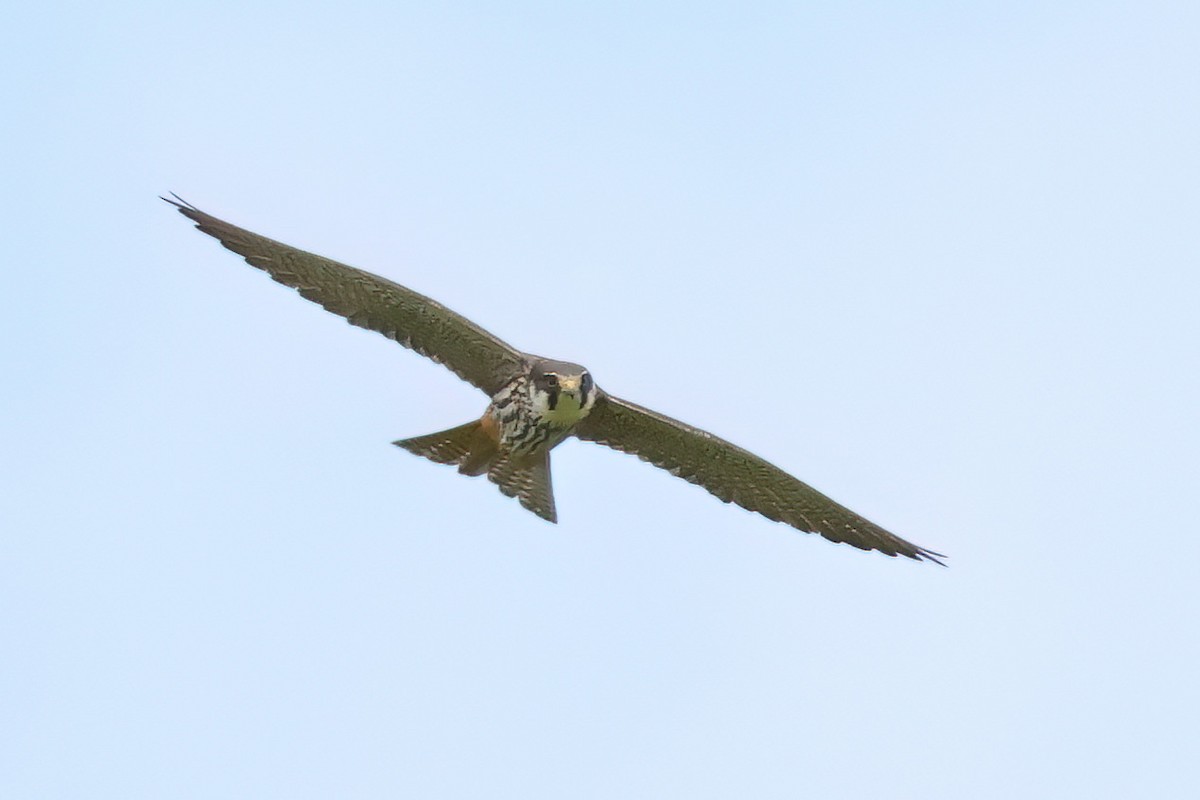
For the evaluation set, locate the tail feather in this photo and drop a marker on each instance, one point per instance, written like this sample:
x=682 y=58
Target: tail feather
x=445 y=447
x=528 y=480
x=478 y=460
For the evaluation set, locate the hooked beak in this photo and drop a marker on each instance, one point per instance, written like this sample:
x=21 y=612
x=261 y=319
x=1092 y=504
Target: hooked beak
x=570 y=384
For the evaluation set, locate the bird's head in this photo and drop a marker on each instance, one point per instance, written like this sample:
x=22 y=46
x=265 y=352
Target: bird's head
x=561 y=392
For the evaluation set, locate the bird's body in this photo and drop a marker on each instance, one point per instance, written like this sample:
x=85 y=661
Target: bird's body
x=535 y=412
x=511 y=442
x=536 y=403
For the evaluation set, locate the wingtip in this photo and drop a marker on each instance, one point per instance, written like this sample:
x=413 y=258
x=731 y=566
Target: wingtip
x=178 y=202
x=928 y=555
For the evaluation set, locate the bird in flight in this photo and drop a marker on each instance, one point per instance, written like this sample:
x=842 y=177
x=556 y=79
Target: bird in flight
x=537 y=402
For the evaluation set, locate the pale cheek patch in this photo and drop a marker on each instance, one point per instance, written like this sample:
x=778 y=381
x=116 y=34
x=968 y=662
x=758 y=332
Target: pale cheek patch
x=566 y=410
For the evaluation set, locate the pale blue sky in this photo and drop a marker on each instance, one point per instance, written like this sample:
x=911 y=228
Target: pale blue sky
x=938 y=259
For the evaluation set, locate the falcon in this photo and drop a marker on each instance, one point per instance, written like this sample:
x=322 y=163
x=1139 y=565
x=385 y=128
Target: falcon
x=537 y=402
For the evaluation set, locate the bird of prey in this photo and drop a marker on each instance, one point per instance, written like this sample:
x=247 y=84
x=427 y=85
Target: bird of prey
x=538 y=402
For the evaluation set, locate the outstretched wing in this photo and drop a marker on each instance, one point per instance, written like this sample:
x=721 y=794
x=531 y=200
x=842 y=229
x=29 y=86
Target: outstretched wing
x=735 y=475
x=375 y=303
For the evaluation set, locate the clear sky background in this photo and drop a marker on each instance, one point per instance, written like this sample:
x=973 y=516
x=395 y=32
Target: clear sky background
x=938 y=259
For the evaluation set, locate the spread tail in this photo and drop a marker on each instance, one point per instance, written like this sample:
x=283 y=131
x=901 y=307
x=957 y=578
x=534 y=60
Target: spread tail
x=528 y=479
x=469 y=446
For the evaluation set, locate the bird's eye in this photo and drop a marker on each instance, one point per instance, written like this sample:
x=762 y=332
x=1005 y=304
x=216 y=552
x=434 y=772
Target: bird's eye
x=585 y=382
x=551 y=379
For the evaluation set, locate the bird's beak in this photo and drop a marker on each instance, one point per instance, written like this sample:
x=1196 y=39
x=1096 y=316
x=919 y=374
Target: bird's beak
x=570 y=384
